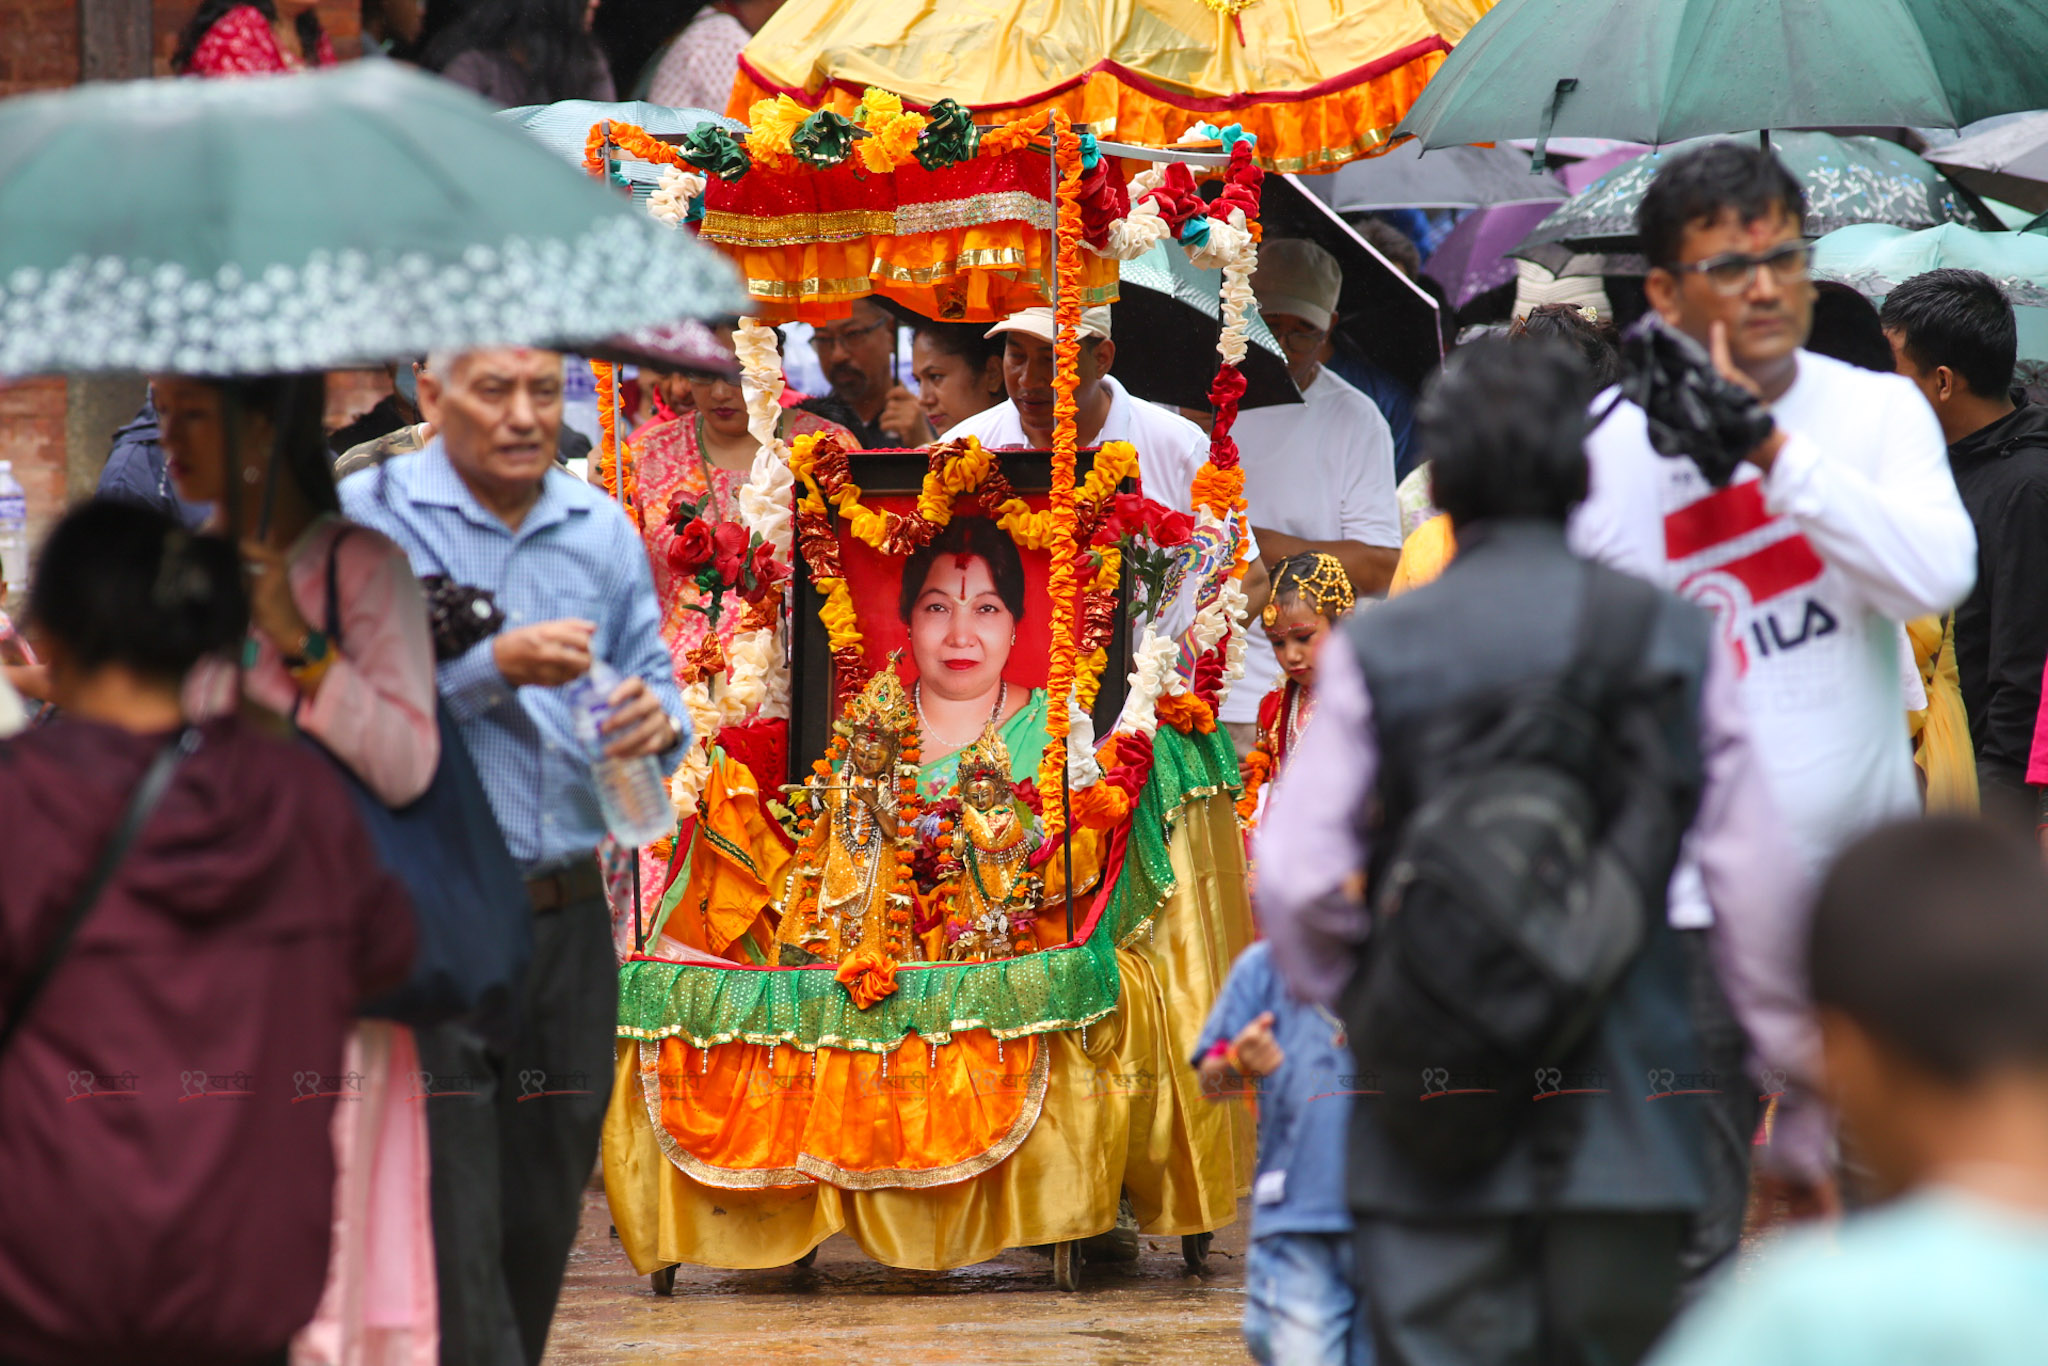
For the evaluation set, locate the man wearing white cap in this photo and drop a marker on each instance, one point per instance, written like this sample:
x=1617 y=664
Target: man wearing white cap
x=1319 y=475
x=1170 y=448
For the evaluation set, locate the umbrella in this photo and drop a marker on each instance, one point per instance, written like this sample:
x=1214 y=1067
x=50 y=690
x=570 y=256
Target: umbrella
x=1847 y=180
x=1320 y=81
x=1454 y=178
x=1168 y=315
x=1657 y=71
x=564 y=127
x=1389 y=318
x=2009 y=162
x=1580 y=174
x=1875 y=258
x=1474 y=258
x=310 y=222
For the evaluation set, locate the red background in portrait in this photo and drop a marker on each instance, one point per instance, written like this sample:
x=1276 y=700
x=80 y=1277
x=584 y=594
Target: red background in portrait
x=876 y=582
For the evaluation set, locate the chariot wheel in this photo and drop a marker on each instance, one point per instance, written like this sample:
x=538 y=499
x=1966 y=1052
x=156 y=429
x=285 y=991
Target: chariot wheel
x=1066 y=1266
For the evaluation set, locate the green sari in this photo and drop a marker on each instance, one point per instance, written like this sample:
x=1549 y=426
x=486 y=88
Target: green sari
x=1024 y=734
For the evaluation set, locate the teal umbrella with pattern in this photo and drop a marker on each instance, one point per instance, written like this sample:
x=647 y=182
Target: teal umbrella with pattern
x=308 y=222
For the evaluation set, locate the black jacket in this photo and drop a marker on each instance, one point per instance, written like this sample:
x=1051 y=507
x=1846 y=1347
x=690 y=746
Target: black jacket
x=2002 y=627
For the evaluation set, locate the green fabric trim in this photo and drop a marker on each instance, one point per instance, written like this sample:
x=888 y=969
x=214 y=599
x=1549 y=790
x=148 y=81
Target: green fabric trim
x=1038 y=993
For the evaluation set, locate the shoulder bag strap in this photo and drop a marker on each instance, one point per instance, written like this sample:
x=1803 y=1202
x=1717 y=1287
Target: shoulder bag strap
x=147 y=794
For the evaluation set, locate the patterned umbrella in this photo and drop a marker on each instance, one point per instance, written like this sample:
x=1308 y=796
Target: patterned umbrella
x=1320 y=81
x=1847 y=180
x=309 y=222
x=1875 y=259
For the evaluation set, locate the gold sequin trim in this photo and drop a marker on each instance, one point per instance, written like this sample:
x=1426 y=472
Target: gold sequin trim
x=795 y=229
x=1007 y=206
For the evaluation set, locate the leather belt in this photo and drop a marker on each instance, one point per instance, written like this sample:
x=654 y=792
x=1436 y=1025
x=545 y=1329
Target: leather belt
x=578 y=881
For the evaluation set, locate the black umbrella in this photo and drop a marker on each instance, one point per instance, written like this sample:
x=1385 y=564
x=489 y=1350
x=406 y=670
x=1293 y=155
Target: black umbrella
x=1166 y=320
x=1387 y=316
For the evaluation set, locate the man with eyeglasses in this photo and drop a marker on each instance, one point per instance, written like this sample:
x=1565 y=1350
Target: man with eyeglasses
x=857 y=354
x=1839 y=524
x=1319 y=474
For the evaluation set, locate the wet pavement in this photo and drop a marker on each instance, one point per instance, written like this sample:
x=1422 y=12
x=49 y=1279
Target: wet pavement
x=848 y=1309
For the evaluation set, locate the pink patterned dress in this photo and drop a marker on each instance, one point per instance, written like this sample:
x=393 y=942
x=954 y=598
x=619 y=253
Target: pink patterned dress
x=241 y=43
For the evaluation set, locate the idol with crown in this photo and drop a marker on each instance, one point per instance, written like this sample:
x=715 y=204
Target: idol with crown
x=850 y=885
x=990 y=896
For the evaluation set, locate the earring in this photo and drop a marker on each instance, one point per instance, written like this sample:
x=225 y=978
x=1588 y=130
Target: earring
x=1013 y=637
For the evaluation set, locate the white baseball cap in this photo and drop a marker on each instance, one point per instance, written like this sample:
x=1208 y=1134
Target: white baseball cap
x=1038 y=322
x=1298 y=278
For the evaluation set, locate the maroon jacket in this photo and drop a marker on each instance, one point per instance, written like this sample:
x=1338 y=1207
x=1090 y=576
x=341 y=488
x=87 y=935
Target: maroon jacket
x=164 y=1110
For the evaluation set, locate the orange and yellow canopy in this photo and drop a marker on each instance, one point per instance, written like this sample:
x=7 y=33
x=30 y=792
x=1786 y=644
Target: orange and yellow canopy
x=1321 y=82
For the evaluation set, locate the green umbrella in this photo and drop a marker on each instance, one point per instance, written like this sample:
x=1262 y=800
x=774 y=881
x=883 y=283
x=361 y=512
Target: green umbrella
x=1176 y=309
x=1875 y=259
x=1657 y=71
x=1847 y=180
x=308 y=222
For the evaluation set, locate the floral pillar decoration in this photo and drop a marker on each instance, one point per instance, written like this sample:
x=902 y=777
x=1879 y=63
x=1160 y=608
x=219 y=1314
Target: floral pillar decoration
x=1062 y=582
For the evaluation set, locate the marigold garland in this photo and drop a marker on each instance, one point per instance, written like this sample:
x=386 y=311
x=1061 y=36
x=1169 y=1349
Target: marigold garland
x=1060 y=674
x=634 y=141
x=617 y=481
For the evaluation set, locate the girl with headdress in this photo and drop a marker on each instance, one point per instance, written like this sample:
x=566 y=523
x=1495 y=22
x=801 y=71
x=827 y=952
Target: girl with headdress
x=850 y=886
x=1311 y=593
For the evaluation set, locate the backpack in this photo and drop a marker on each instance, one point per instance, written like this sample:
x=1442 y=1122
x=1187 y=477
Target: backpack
x=1541 y=826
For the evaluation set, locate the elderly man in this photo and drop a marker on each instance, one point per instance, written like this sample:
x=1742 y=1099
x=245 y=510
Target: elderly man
x=514 y=1133
x=1319 y=475
x=858 y=355
x=1171 y=449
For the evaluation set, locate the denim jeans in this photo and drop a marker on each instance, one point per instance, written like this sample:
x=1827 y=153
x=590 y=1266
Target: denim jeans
x=1301 y=1308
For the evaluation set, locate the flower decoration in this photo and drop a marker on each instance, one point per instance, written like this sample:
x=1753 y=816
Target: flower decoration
x=949 y=136
x=677 y=200
x=892 y=135
x=1060 y=585
x=869 y=975
x=770 y=126
x=823 y=140
x=715 y=151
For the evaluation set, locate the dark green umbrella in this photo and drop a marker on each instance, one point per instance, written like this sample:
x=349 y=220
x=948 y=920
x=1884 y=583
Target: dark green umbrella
x=1657 y=71
x=308 y=222
x=1847 y=180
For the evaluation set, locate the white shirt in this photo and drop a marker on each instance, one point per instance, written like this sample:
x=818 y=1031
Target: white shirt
x=1171 y=450
x=698 y=69
x=1807 y=570
x=1323 y=470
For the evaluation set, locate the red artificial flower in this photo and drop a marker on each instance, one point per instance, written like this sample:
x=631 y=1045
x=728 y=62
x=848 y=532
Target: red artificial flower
x=1173 y=528
x=765 y=571
x=691 y=549
x=729 y=551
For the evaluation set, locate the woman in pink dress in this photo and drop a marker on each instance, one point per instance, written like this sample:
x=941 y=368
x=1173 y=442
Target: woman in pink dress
x=252 y=38
x=701 y=457
x=363 y=686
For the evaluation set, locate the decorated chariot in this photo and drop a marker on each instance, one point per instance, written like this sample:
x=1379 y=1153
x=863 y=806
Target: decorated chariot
x=942 y=1003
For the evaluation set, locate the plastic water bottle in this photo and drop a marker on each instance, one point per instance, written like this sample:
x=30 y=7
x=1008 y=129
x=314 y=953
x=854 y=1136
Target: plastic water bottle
x=13 y=529
x=629 y=791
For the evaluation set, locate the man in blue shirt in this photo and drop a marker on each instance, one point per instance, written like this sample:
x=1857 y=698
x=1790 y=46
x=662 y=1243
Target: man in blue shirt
x=514 y=1133
x=1300 y=1305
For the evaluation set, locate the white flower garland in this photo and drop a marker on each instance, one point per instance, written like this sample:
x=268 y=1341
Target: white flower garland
x=670 y=202
x=756 y=679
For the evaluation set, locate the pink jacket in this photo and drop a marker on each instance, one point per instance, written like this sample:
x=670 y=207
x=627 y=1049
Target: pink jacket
x=375 y=707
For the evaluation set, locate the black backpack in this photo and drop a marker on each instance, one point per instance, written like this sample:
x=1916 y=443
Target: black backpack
x=1532 y=833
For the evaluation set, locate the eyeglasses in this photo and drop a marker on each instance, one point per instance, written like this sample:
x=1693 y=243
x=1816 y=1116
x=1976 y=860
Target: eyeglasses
x=1301 y=341
x=844 y=338
x=1735 y=272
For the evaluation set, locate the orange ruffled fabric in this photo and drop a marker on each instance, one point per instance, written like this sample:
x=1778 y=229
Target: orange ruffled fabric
x=868 y=976
x=736 y=862
x=1295 y=135
x=750 y=1117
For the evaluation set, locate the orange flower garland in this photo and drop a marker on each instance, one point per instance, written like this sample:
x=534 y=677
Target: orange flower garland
x=1060 y=675
x=610 y=462
x=633 y=140
x=1257 y=768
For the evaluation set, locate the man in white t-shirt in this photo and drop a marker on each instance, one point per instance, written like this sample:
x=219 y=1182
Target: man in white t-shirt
x=1319 y=475
x=1840 y=523
x=1170 y=448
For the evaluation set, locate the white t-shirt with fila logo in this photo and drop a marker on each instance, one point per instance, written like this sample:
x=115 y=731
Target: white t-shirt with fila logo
x=1808 y=571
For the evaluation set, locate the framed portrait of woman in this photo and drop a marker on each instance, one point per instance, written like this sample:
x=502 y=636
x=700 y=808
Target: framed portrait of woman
x=970 y=613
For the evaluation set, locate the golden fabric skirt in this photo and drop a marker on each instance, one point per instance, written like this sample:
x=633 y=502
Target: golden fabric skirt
x=1119 y=1111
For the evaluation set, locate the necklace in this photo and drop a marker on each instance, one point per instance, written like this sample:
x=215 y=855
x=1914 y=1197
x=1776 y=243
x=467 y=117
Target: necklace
x=994 y=714
x=1297 y=716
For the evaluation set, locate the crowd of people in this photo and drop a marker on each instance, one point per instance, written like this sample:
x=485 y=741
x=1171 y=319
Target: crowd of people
x=1644 y=751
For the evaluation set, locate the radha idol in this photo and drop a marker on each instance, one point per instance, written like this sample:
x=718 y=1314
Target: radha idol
x=991 y=897
x=850 y=885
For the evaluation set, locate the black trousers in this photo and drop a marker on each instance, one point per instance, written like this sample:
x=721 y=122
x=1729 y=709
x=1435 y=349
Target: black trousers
x=513 y=1136
x=1568 y=1289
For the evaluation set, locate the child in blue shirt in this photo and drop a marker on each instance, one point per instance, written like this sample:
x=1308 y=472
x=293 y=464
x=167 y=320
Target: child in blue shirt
x=1302 y=1306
